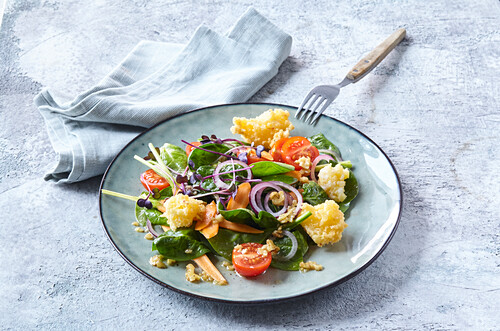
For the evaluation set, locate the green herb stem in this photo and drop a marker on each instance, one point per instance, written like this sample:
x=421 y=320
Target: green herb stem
x=120 y=195
x=303 y=217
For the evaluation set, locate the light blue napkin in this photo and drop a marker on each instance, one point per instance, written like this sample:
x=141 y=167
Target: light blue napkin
x=157 y=81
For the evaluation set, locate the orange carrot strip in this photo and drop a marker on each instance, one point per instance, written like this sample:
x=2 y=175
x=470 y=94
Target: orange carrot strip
x=204 y=263
x=211 y=230
x=210 y=212
x=242 y=197
x=238 y=227
x=165 y=228
x=294 y=174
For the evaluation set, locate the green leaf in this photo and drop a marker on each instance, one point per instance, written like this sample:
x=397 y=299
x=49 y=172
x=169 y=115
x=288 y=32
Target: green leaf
x=268 y=168
x=314 y=194
x=320 y=142
x=281 y=178
x=180 y=245
x=285 y=245
x=201 y=157
x=174 y=157
x=154 y=216
x=225 y=240
x=208 y=184
x=263 y=220
x=351 y=190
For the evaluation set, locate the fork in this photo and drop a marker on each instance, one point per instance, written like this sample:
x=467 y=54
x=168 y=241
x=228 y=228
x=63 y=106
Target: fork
x=325 y=94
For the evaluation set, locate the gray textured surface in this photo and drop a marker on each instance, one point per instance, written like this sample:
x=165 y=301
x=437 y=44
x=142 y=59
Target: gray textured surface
x=432 y=105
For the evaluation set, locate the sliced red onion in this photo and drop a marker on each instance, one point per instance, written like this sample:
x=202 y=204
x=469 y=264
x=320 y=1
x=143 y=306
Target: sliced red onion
x=293 y=251
x=270 y=211
x=330 y=152
x=150 y=228
x=256 y=194
x=322 y=157
x=295 y=192
x=217 y=179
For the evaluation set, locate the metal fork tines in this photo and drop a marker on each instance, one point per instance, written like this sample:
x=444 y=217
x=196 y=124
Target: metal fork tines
x=322 y=95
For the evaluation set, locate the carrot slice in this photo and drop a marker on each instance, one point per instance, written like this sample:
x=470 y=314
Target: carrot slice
x=210 y=212
x=238 y=227
x=210 y=230
x=204 y=263
x=165 y=228
x=294 y=174
x=242 y=197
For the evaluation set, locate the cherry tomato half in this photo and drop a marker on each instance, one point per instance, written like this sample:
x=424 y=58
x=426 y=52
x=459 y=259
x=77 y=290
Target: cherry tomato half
x=248 y=262
x=153 y=180
x=190 y=148
x=276 y=150
x=295 y=148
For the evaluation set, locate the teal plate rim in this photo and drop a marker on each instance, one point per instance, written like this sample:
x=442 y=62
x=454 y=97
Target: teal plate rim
x=272 y=300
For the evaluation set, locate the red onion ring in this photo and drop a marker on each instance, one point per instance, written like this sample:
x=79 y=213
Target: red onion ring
x=279 y=212
x=150 y=228
x=256 y=195
x=293 y=251
x=219 y=182
x=322 y=157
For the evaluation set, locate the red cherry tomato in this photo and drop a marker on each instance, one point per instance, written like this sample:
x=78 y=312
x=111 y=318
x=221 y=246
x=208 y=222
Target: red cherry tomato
x=276 y=150
x=151 y=180
x=295 y=148
x=190 y=148
x=248 y=262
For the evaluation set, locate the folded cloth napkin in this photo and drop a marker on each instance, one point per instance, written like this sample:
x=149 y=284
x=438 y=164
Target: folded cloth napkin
x=157 y=81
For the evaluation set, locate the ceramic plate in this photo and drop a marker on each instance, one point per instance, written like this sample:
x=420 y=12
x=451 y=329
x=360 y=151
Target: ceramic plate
x=372 y=218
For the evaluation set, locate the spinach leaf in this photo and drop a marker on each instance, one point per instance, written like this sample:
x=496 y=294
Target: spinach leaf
x=174 y=157
x=320 y=142
x=351 y=190
x=285 y=245
x=200 y=157
x=154 y=215
x=225 y=240
x=314 y=194
x=180 y=245
x=263 y=220
x=208 y=184
x=268 y=168
x=281 y=178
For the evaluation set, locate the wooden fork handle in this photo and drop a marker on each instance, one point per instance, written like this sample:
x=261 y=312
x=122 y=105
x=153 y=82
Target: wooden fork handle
x=372 y=59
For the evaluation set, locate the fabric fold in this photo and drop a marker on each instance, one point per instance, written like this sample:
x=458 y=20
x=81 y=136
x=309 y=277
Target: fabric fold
x=155 y=82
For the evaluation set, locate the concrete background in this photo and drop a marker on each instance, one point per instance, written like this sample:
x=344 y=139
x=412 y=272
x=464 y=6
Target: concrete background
x=432 y=105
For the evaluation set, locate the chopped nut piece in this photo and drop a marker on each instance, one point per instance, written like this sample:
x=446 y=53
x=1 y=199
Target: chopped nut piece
x=139 y=229
x=191 y=276
x=149 y=236
x=135 y=223
x=171 y=262
x=304 y=180
x=277 y=198
x=157 y=261
x=310 y=265
x=188 y=251
x=206 y=277
x=228 y=265
x=269 y=247
x=278 y=233
x=287 y=217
